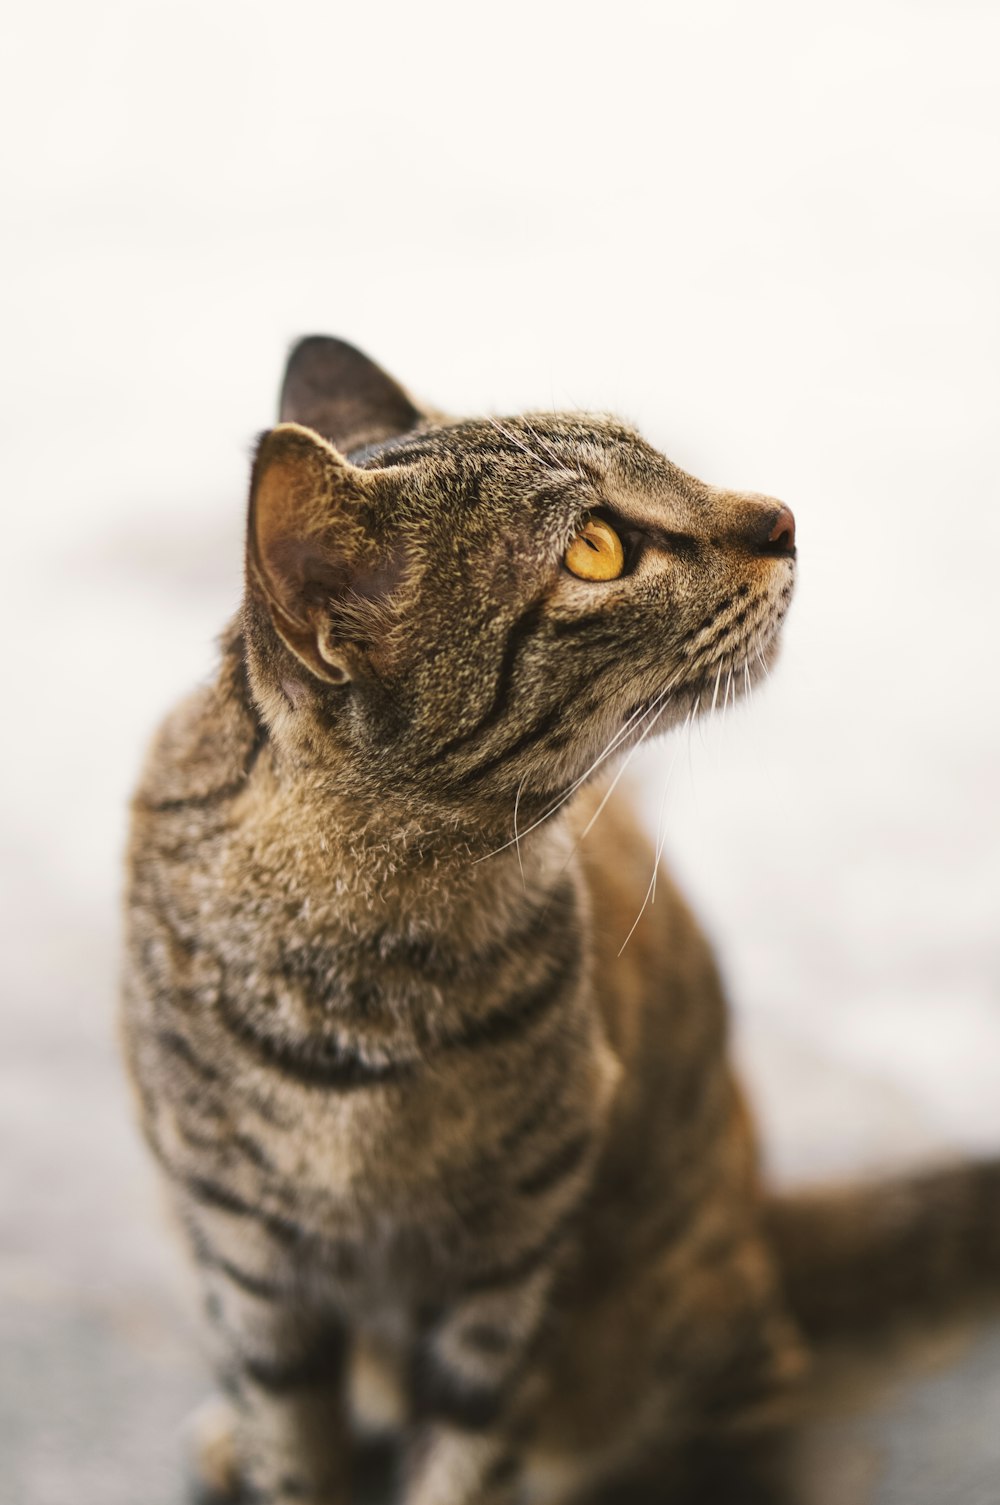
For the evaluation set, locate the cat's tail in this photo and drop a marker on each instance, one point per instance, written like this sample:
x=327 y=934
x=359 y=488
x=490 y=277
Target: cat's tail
x=858 y=1257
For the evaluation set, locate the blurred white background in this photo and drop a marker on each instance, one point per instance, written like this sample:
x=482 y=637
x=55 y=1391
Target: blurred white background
x=770 y=234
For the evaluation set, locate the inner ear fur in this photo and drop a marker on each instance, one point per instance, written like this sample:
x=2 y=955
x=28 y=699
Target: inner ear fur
x=308 y=553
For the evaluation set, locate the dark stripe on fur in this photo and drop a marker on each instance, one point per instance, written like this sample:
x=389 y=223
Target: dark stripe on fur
x=214 y=1142
x=519 y=1013
x=315 y=1062
x=205 y=1106
x=212 y=796
x=225 y=1143
x=322 y=1365
x=518 y=634
x=534 y=734
x=210 y=1194
x=179 y=1046
x=312 y=1062
x=386 y=454
x=435 y=964
x=502 y=1471
x=252 y=1151
x=537 y=1114
x=441 y=1394
x=503 y=1276
x=236 y=650
x=560 y=1165
x=254 y=1285
x=484 y=1338
x=716 y=612
x=596 y=621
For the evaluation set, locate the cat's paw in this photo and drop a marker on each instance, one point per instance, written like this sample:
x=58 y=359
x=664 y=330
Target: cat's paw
x=214 y=1466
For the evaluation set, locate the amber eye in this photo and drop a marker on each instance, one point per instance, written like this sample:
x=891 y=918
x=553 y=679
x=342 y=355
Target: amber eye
x=596 y=552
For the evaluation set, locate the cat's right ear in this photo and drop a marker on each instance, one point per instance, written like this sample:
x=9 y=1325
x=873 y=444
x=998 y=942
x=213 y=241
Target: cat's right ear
x=332 y=387
x=309 y=557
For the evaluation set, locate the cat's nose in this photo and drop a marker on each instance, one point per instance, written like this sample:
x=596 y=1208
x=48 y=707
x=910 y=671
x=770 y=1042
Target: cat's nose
x=775 y=533
x=782 y=534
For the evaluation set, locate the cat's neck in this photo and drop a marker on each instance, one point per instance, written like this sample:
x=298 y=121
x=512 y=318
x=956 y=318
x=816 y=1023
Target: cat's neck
x=310 y=781
x=389 y=867
x=441 y=866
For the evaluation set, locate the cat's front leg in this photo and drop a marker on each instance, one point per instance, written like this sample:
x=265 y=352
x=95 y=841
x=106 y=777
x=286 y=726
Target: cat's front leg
x=459 y=1467
x=282 y=1365
x=473 y=1378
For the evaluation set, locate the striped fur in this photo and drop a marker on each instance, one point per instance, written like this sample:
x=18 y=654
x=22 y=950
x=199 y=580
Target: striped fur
x=436 y=1146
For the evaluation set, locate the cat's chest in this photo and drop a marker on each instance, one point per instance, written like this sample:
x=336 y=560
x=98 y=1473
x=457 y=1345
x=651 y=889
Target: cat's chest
x=392 y=1088
x=413 y=1184
x=452 y=1119
x=387 y=1136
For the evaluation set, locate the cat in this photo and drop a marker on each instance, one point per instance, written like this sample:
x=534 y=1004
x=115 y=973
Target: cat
x=451 y=1163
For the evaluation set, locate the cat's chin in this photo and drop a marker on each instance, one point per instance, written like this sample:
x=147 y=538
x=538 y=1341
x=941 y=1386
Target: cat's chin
x=719 y=684
x=732 y=679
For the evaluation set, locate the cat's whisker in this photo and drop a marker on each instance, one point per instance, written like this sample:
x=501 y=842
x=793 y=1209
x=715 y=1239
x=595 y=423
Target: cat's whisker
x=722 y=716
x=568 y=793
x=517 y=843
x=659 y=819
x=662 y=836
x=541 y=442
x=692 y=721
x=639 y=715
x=699 y=721
x=651 y=889
x=659 y=706
x=614 y=742
x=650 y=896
x=715 y=692
x=631 y=754
x=511 y=438
x=524 y=448
x=560 y=462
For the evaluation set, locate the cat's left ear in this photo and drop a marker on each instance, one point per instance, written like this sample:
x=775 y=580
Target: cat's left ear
x=310 y=556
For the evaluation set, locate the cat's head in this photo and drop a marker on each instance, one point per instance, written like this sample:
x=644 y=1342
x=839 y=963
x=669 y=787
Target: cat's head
x=465 y=612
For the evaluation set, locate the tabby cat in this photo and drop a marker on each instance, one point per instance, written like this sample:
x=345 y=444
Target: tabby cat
x=450 y=1162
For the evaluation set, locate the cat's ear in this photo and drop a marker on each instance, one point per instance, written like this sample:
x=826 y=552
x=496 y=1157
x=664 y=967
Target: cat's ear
x=309 y=555
x=331 y=387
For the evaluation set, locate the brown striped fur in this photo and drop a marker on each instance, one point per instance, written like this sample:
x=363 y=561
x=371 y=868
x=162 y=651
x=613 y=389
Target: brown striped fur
x=446 y=1161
